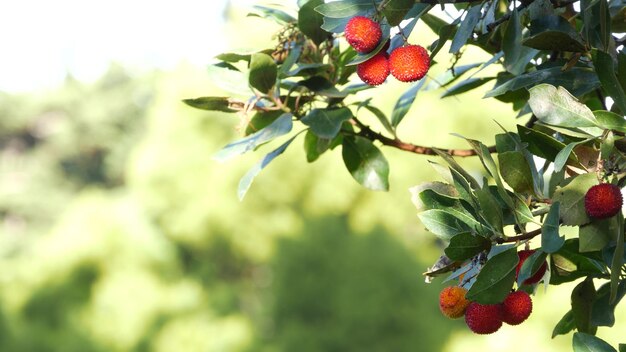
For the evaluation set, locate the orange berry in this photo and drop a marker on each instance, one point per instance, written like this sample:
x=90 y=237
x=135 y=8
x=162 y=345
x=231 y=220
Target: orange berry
x=409 y=63
x=452 y=301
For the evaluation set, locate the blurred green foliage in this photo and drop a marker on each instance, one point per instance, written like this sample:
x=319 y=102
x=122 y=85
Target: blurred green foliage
x=119 y=233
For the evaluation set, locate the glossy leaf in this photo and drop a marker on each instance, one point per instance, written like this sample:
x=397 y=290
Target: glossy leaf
x=310 y=21
x=279 y=127
x=345 y=8
x=404 y=103
x=565 y=325
x=543 y=145
x=512 y=42
x=556 y=106
x=576 y=80
x=588 y=343
x=603 y=311
x=495 y=279
x=246 y=180
x=603 y=64
x=582 y=299
x=554 y=33
x=465 y=245
x=610 y=120
x=366 y=163
x=263 y=72
x=326 y=123
x=442 y=223
x=395 y=10
x=211 y=103
x=551 y=241
x=490 y=210
x=315 y=146
x=466 y=28
x=446 y=192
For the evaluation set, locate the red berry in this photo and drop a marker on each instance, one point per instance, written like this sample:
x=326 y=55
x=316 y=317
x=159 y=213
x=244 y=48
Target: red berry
x=375 y=70
x=523 y=255
x=483 y=318
x=363 y=34
x=516 y=307
x=603 y=201
x=409 y=63
x=452 y=302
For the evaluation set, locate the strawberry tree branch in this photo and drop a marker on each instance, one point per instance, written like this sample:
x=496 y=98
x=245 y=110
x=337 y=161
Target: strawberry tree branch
x=522 y=237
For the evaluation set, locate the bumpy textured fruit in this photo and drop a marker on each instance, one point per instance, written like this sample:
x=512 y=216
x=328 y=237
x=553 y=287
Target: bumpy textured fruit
x=483 y=318
x=363 y=34
x=452 y=301
x=409 y=63
x=603 y=201
x=523 y=255
x=375 y=70
x=516 y=307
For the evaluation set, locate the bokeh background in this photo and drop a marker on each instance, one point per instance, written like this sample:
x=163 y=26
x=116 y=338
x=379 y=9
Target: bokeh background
x=118 y=232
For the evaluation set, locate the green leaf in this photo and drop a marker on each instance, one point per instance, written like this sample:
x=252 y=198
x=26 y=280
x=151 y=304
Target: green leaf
x=610 y=120
x=281 y=17
x=345 y=9
x=588 y=343
x=229 y=80
x=516 y=171
x=618 y=258
x=442 y=223
x=496 y=278
x=596 y=235
x=449 y=76
x=603 y=312
x=395 y=10
x=326 y=123
x=568 y=264
x=381 y=118
x=564 y=155
x=603 y=64
x=263 y=72
x=292 y=58
x=531 y=266
x=490 y=209
x=556 y=106
x=279 y=127
x=554 y=33
x=512 y=42
x=444 y=35
x=583 y=296
x=622 y=347
x=466 y=28
x=465 y=246
x=466 y=85
x=576 y=80
x=571 y=195
x=565 y=325
x=456 y=168
x=260 y=120
x=211 y=103
x=310 y=21
x=404 y=103
x=551 y=242
x=543 y=145
x=366 y=163
x=315 y=146
x=246 y=180
x=448 y=195
x=360 y=58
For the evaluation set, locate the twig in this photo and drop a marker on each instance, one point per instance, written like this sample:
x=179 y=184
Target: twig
x=522 y=237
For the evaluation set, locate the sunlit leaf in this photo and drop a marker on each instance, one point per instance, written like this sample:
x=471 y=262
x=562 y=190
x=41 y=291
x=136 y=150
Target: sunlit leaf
x=366 y=163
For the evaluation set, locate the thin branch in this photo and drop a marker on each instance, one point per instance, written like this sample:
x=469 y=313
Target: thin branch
x=409 y=147
x=522 y=237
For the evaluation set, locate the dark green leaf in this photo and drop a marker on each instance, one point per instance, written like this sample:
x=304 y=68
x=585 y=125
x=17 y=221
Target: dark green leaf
x=512 y=42
x=246 y=180
x=583 y=296
x=466 y=86
x=603 y=312
x=544 y=146
x=450 y=76
x=263 y=72
x=622 y=347
x=292 y=58
x=596 y=234
x=565 y=325
x=360 y=58
x=326 y=123
x=211 y=103
x=345 y=9
x=381 y=118
x=603 y=64
x=433 y=22
x=554 y=33
x=576 y=80
x=404 y=103
x=471 y=181
x=395 y=10
x=568 y=264
x=588 y=343
x=556 y=106
x=466 y=28
x=278 y=15
x=260 y=120
x=366 y=163
x=531 y=266
x=551 y=242
x=610 y=120
x=465 y=245
x=315 y=146
x=444 y=35
x=334 y=25
x=618 y=258
x=495 y=279
x=490 y=209
x=310 y=21
x=279 y=127
x=322 y=86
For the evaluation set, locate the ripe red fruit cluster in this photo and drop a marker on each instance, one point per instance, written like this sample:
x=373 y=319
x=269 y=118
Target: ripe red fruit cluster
x=408 y=63
x=523 y=255
x=603 y=201
x=488 y=318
